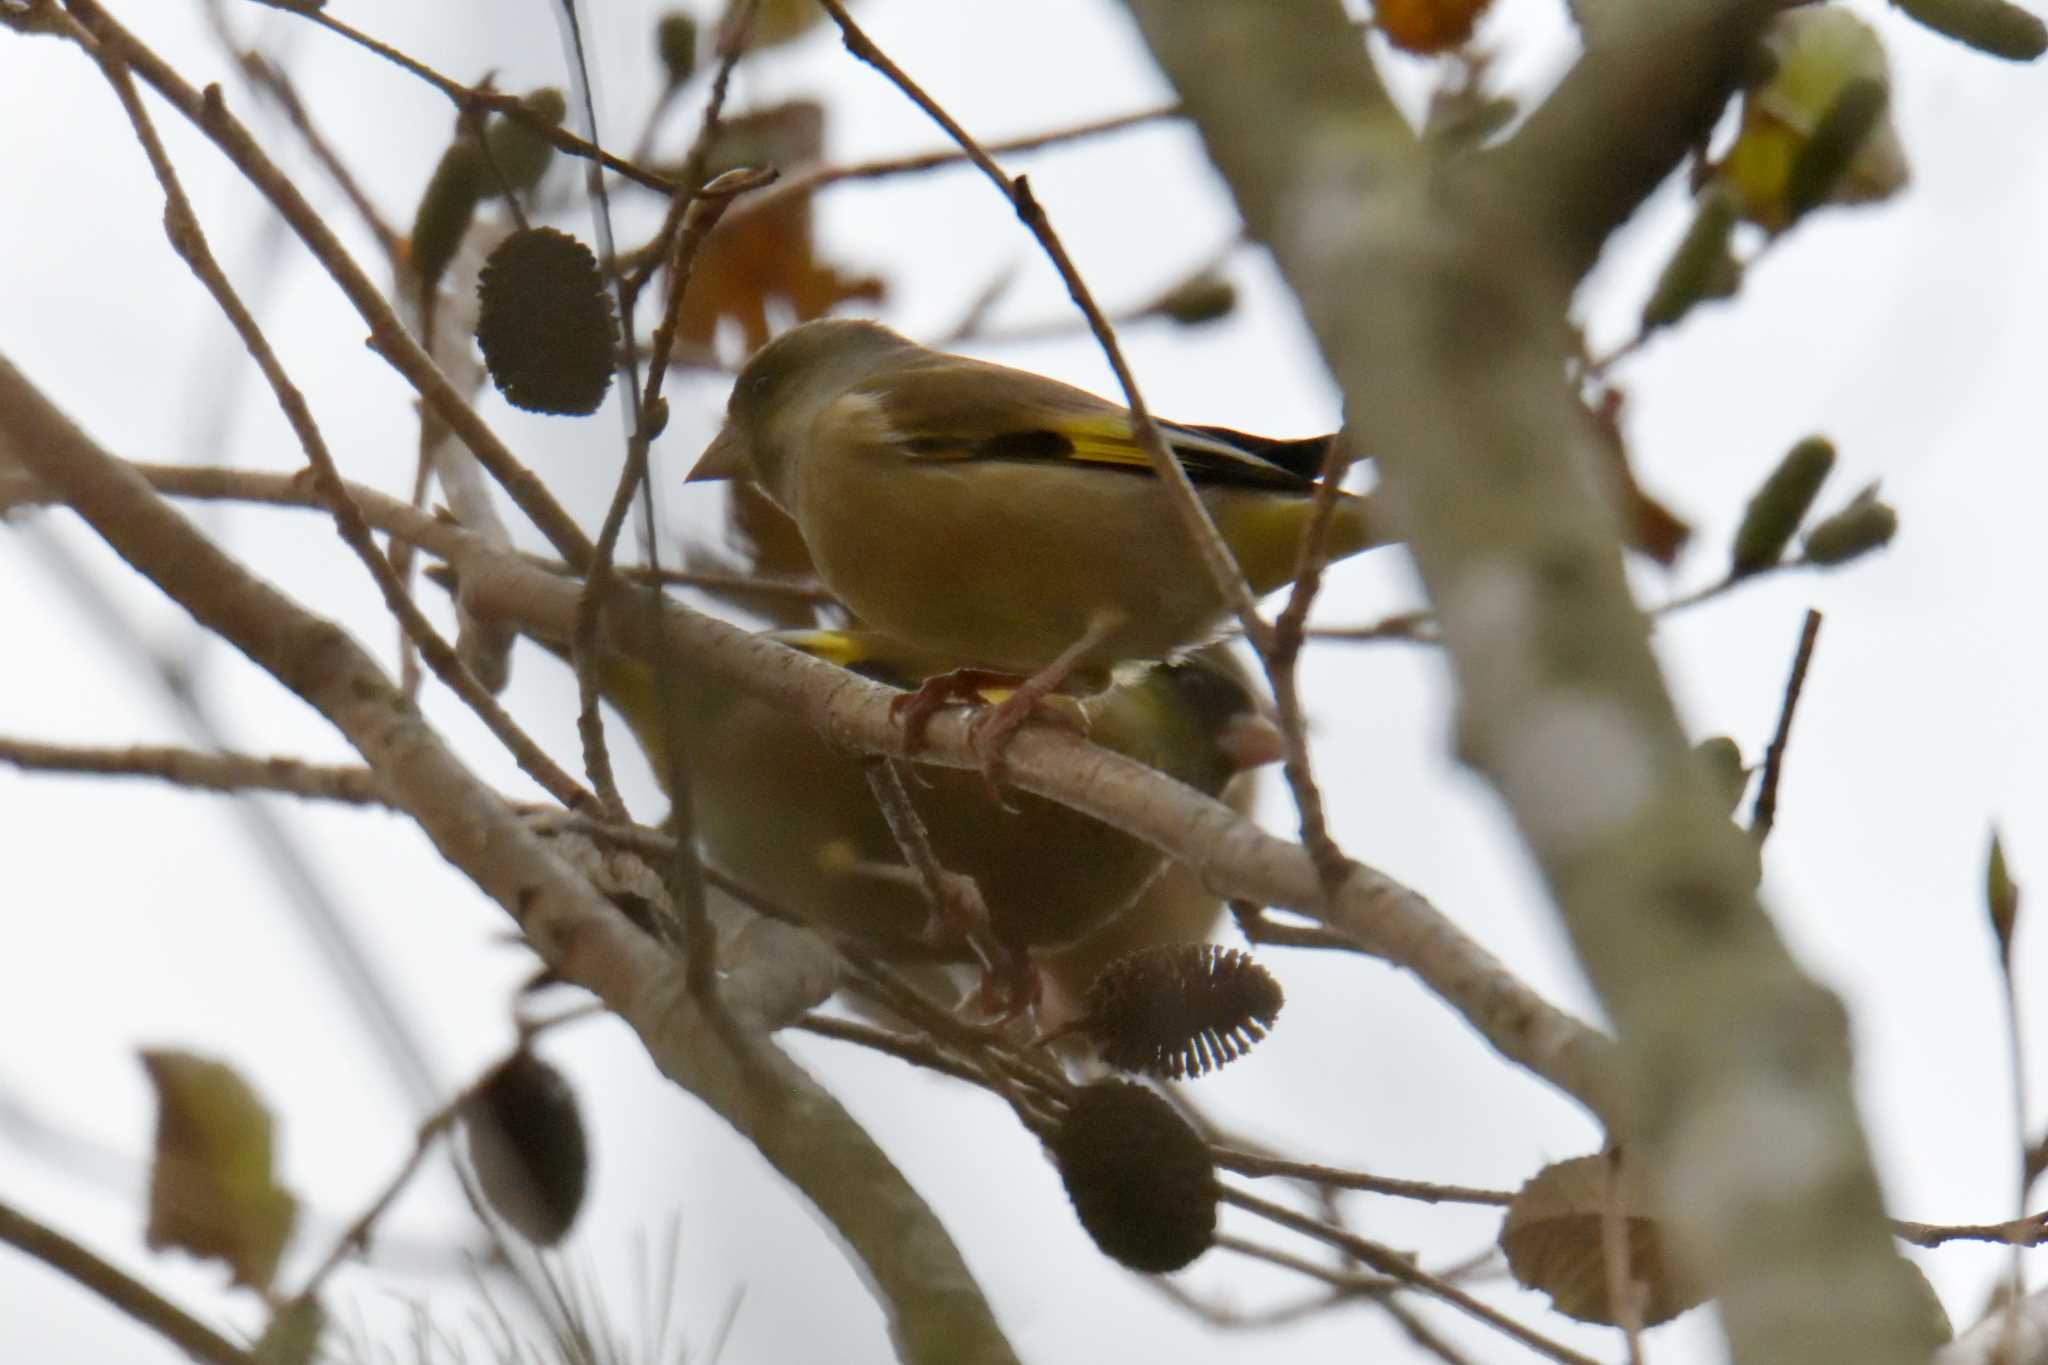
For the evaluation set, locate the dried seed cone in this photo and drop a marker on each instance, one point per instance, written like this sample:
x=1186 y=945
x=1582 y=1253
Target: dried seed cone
x=1139 y=1176
x=526 y=1140
x=545 y=323
x=1181 y=1009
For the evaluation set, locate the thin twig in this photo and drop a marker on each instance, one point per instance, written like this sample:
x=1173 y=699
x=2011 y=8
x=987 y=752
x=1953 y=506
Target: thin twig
x=1376 y=913
x=1008 y=1071
x=1624 y=1291
x=649 y=417
x=818 y=177
x=1347 y=1283
x=388 y=335
x=188 y=239
x=2017 y=1064
x=926 y=1291
x=1282 y=653
x=799 y=590
x=1598 y=366
x=268 y=77
x=356 y=1236
x=978 y=308
x=1157 y=306
x=1222 y=567
x=1727 y=584
x=690 y=186
x=199 y=771
x=404 y=552
x=303 y=890
x=1765 y=812
x=471 y=101
x=404 y=523
x=696 y=209
x=2028 y=1231
x=1274 y=933
x=1416 y=627
x=1226 y=1316
x=914 y=1048
x=119 y=1288
x=955 y=901
x=1429 y=1192
x=1229 y=853
x=1421 y=1333
x=1345 y=1288
x=1389 y=1262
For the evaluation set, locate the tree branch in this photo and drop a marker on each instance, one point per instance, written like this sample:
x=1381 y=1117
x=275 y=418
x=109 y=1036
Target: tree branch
x=1232 y=855
x=1439 y=296
x=199 y=771
x=208 y=112
x=933 y=1304
x=120 y=1289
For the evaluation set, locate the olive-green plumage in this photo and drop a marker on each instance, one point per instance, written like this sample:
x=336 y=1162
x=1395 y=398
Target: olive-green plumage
x=793 y=817
x=996 y=517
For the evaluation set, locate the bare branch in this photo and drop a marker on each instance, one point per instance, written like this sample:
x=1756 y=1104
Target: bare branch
x=818 y=177
x=208 y=112
x=1228 y=852
x=931 y=1299
x=1330 y=1177
x=2028 y=1231
x=1396 y=1266
x=120 y=1289
x=1765 y=813
x=474 y=101
x=1438 y=293
x=200 y=771
x=181 y=224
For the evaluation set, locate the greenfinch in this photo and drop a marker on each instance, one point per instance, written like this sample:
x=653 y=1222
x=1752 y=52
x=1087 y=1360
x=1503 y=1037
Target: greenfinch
x=1000 y=519
x=793 y=817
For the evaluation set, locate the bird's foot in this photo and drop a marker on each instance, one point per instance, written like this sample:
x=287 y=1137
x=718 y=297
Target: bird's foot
x=963 y=685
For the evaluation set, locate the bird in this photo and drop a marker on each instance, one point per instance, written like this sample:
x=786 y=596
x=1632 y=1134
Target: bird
x=1003 y=520
x=792 y=817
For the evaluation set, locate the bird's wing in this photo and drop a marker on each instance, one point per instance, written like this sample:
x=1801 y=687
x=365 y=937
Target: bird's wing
x=957 y=409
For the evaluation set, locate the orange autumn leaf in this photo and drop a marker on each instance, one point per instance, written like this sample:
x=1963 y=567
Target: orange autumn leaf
x=762 y=259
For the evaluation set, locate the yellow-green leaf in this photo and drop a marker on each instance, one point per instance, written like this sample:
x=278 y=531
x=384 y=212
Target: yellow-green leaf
x=212 y=1189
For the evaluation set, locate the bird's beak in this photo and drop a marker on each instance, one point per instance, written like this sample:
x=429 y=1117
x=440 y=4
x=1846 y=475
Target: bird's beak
x=724 y=458
x=1250 y=740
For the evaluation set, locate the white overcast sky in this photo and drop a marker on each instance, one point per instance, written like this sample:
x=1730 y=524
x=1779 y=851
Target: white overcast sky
x=1914 y=334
